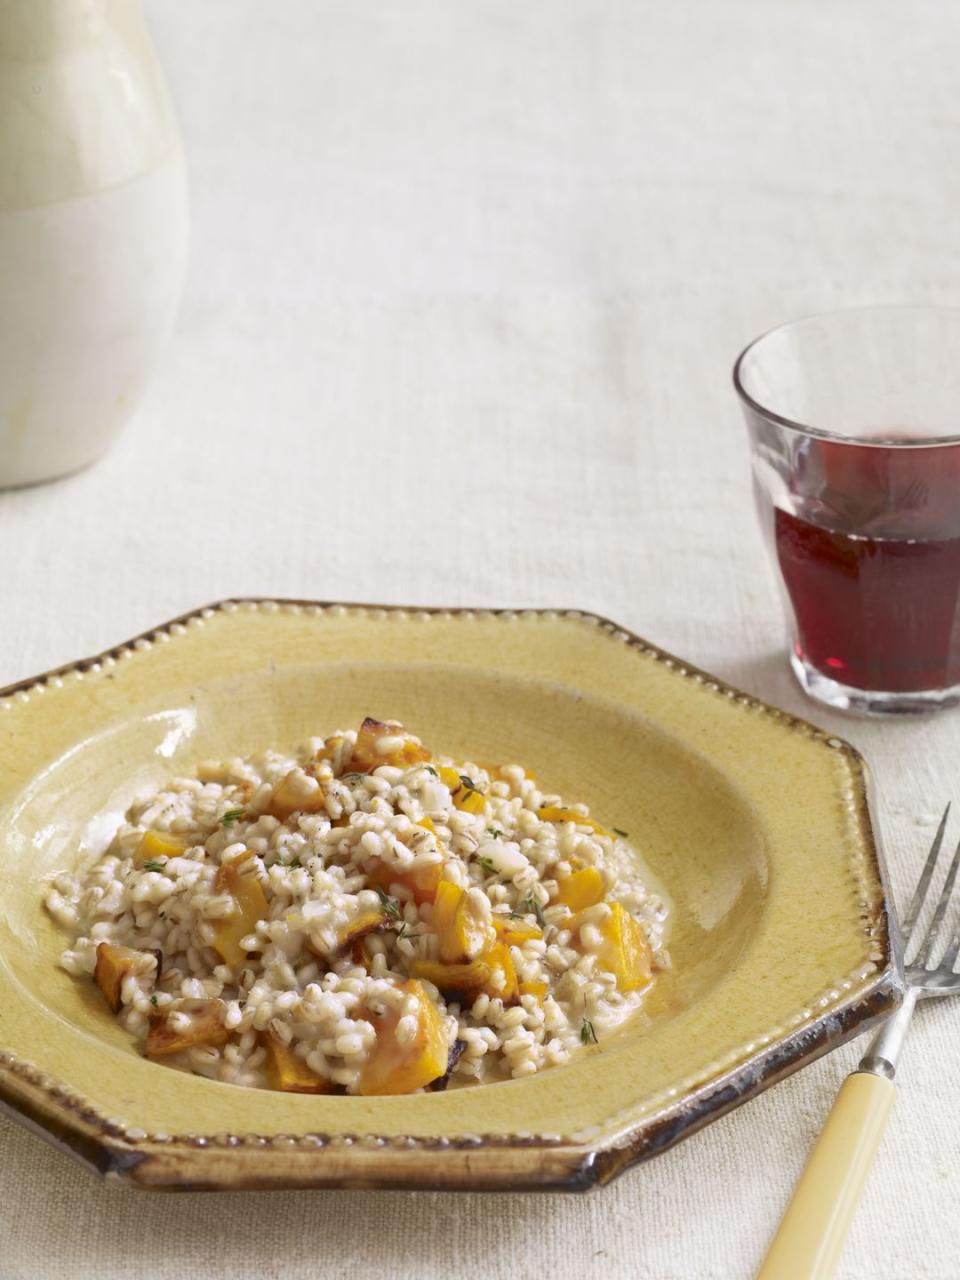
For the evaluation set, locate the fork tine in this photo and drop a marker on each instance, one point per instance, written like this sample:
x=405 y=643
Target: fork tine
x=929 y=941
x=923 y=884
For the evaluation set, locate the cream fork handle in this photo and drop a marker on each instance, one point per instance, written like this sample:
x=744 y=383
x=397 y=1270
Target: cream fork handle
x=811 y=1234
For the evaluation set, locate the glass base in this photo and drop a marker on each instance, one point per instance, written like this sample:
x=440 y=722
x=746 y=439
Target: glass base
x=870 y=702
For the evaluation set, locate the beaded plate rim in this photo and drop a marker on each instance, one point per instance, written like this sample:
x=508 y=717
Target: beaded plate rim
x=514 y=1161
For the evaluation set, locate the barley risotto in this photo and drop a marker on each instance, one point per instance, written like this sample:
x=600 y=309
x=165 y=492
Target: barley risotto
x=363 y=918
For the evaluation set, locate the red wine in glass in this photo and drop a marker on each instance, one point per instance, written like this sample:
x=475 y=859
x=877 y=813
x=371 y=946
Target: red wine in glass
x=870 y=556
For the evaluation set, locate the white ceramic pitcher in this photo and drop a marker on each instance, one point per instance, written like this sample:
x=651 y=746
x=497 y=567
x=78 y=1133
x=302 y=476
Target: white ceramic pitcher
x=93 y=228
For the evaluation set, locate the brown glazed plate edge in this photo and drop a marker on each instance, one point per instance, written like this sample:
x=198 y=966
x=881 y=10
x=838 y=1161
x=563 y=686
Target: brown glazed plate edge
x=196 y=1162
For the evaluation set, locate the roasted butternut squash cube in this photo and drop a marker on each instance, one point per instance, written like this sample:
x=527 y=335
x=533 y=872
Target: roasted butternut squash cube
x=422 y=880
x=468 y=979
x=287 y=1071
x=503 y=975
x=445 y=904
x=625 y=951
x=469 y=800
x=331 y=748
x=395 y=1067
x=515 y=932
x=637 y=950
x=372 y=920
x=297 y=792
x=251 y=907
x=381 y=742
x=462 y=934
x=203 y=1024
x=454 y=1054
x=465 y=795
x=492 y=974
x=114 y=963
x=467 y=936
x=582 y=889
x=538 y=989
x=158 y=844
x=553 y=813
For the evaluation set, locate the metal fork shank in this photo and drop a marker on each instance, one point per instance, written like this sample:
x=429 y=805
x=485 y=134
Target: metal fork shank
x=883 y=1056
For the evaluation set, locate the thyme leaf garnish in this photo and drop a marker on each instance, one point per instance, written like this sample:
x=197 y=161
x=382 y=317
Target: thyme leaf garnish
x=587 y=1033
x=231 y=816
x=391 y=907
x=154 y=864
x=529 y=906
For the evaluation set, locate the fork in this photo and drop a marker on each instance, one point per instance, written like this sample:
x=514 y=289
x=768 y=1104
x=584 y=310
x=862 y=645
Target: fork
x=810 y=1237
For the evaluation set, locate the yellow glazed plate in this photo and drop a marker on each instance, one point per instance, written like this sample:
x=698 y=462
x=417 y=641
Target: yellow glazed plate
x=755 y=823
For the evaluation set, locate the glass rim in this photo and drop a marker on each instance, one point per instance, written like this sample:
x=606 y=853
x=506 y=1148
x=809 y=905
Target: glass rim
x=820 y=433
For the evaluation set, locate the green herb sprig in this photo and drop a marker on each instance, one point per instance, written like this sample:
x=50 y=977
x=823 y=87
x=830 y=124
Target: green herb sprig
x=391 y=907
x=527 y=907
x=231 y=816
x=154 y=864
x=587 y=1033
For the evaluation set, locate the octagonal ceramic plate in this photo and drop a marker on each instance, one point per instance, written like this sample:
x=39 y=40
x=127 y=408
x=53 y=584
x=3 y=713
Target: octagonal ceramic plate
x=756 y=823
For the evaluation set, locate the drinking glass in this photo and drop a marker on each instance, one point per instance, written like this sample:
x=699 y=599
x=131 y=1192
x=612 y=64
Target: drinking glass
x=854 y=422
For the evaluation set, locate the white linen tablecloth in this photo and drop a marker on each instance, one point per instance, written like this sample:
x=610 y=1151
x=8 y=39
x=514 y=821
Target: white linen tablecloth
x=467 y=283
